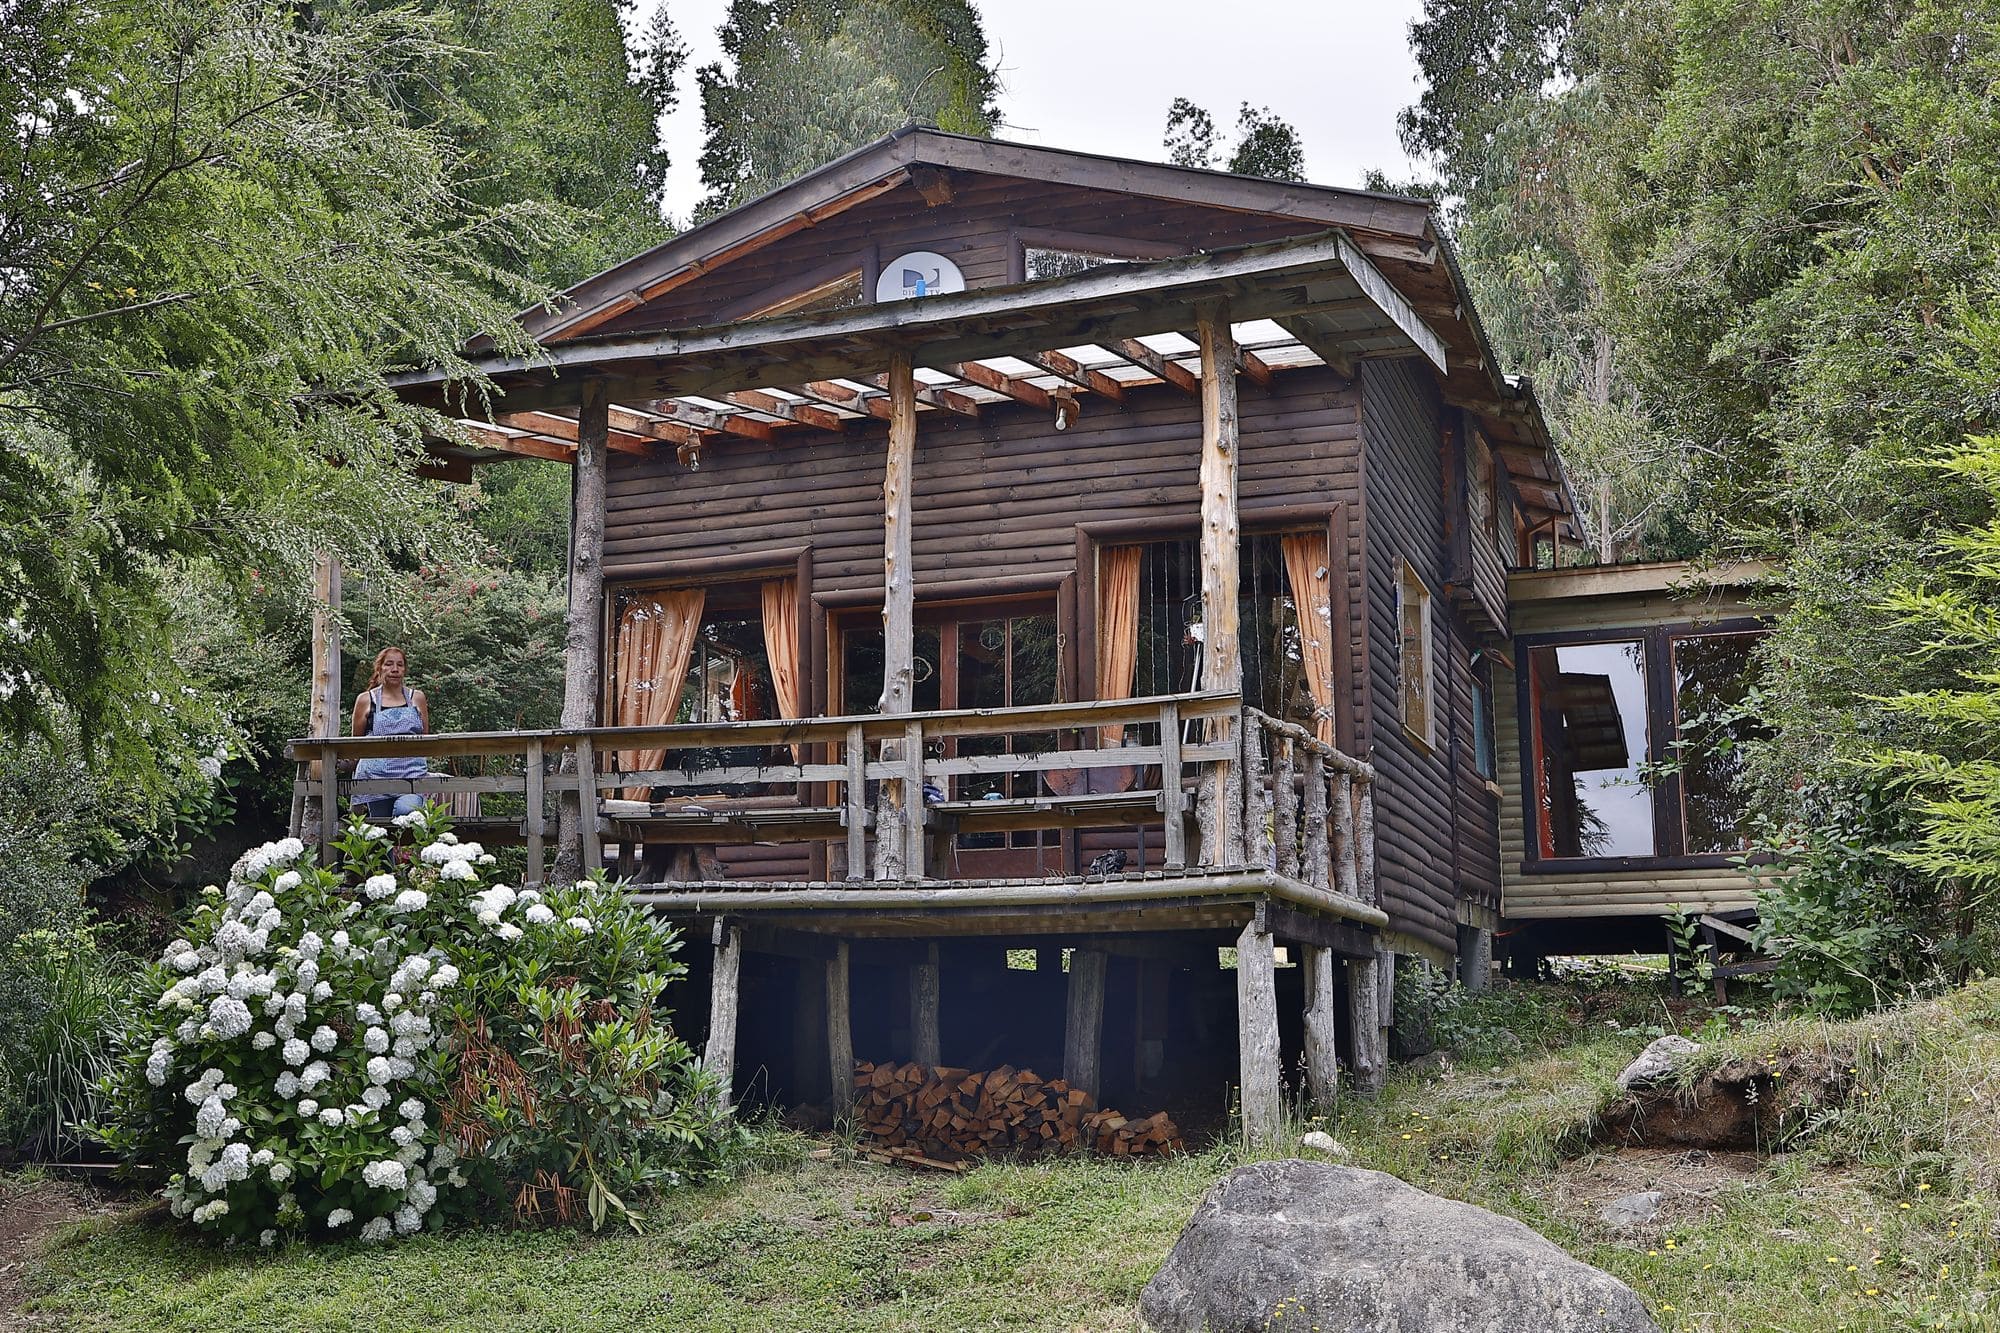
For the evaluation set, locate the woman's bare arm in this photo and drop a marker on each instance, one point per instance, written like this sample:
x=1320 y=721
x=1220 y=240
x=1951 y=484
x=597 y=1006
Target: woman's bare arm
x=355 y=724
x=423 y=708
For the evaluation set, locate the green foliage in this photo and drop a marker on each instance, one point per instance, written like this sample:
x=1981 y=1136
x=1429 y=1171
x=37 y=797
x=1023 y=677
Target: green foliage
x=1265 y=145
x=364 y=1050
x=1850 y=923
x=812 y=79
x=61 y=1006
x=1691 y=964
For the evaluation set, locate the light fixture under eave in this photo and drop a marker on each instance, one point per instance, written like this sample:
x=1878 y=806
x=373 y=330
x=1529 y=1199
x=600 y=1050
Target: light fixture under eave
x=1066 y=407
x=689 y=453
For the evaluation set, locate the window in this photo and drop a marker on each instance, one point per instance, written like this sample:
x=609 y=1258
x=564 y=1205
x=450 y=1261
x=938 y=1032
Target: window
x=1711 y=690
x=1590 y=745
x=1413 y=626
x=1636 y=743
x=1061 y=254
x=1481 y=493
x=1482 y=717
x=835 y=293
x=1042 y=263
x=1170 y=629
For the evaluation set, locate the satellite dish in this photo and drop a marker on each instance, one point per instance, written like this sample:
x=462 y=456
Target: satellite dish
x=917 y=274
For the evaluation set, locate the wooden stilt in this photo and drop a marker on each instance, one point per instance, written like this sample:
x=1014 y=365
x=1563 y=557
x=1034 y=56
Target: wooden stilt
x=924 y=1010
x=1475 y=957
x=1364 y=1012
x=719 y=1055
x=839 y=1033
x=1257 y=1035
x=537 y=815
x=1322 y=1030
x=1083 y=1027
x=583 y=647
x=899 y=804
x=308 y=817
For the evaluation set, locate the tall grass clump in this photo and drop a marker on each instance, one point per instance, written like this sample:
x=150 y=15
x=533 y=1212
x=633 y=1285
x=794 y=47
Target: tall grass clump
x=61 y=1008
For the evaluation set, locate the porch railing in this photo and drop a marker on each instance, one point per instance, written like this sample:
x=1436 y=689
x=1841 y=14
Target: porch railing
x=881 y=792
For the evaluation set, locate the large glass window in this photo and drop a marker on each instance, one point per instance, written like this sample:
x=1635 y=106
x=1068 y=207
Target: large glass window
x=1590 y=746
x=1711 y=687
x=1625 y=763
x=1414 y=676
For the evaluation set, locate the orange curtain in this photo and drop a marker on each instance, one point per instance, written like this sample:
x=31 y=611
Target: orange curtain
x=1117 y=627
x=781 y=645
x=655 y=644
x=1306 y=569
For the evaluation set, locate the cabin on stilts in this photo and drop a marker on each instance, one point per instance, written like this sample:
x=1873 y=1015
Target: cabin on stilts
x=1027 y=609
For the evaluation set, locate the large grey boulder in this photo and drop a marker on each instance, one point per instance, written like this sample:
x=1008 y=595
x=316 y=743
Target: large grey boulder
x=1658 y=1060
x=1311 y=1245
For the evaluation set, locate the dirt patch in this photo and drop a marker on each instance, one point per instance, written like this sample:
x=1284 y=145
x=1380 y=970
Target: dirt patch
x=30 y=1213
x=1690 y=1179
x=1742 y=1105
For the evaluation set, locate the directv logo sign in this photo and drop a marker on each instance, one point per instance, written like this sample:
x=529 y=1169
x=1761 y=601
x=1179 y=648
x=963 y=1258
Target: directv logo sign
x=918 y=274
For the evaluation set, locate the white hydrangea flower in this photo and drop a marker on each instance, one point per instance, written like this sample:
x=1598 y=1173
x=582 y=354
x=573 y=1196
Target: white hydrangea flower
x=411 y=820
x=287 y=1084
x=410 y=900
x=580 y=924
x=385 y=1175
x=296 y=1052
x=496 y=899
x=339 y=1217
x=422 y=1195
x=374 y=1096
x=380 y=1071
x=288 y=881
x=411 y=1109
x=457 y=870
x=340 y=940
x=313 y=1075
x=401 y=1136
x=375 y=1041
x=508 y=932
x=445 y=977
x=540 y=915
x=187 y=960
x=160 y=1063
x=308 y=1108
x=365 y=1012
x=374 y=832
x=311 y=945
x=263 y=1041
x=399 y=1067
x=322 y=989
x=212 y=1209
x=228 y=1017
x=529 y=896
x=489 y=918
x=331 y=1117
x=267 y=1237
x=378 y=887
x=263 y=1157
x=324 y=1039
x=280 y=1173
x=376 y=1230
x=408 y=1219
x=209 y=1117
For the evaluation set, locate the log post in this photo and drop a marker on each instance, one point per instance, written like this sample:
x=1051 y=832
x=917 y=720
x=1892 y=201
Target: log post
x=1083 y=1026
x=839 y=1034
x=1285 y=807
x=1221 y=653
x=1257 y=1034
x=1346 y=850
x=1364 y=1012
x=1364 y=847
x=583 y=640
x=924 y=1044
x=537 y=817
x=1317 y=854
x=1256 y=798
x=898 y=802
x=1475 y=957
x=1322 y=1030
x=1172 y=805
x=719 y=1055
x=308 y=821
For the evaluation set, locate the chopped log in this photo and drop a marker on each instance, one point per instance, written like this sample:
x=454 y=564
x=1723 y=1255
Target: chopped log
x=949 y=1116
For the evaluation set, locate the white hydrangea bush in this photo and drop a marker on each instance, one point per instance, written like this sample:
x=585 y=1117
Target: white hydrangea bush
x=288 y=1067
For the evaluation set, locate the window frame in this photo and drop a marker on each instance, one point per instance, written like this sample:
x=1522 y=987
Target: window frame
x=1662 y=735
x=1406 y=576
x=1127 y=249
x=1485 y=734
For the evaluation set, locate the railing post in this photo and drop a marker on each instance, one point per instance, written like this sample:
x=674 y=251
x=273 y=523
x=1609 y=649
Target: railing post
x=329 y=803
x=1285 y=806
x=587 y=804
x=914 y=808
x=856 y=802
x=536 y=828
x=1346 y=863
x=1364 y=845
x=1173 y=803
x=1256 y=801
x=1316 y=859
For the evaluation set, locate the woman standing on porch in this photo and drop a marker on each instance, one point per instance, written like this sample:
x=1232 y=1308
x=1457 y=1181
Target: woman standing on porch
x=390 y=707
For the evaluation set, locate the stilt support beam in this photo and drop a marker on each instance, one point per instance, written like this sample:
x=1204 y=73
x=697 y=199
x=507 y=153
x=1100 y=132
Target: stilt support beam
x=900 y=804
x=1257 y=1034
x=576 y=822
x=1083 y=1028
x=924 y=1044
x=1322 y=1030
x=719 y=1056
x=839 y=1034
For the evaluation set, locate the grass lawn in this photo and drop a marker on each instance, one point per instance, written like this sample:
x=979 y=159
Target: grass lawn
x=1882 y=1216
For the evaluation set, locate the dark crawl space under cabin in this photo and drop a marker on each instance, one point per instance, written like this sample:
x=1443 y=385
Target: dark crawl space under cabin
x=1033 y=610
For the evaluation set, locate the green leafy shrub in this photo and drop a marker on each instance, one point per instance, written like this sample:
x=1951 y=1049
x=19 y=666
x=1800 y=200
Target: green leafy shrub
x=61 y=1005
x=365 y=1050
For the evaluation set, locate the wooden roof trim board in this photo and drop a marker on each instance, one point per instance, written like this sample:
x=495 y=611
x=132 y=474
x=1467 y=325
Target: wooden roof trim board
x=1397 y=227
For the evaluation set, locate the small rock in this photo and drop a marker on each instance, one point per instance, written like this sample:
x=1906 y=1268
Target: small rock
x=1657 y=1061
x=1321 y=1141
x=1634 y=1210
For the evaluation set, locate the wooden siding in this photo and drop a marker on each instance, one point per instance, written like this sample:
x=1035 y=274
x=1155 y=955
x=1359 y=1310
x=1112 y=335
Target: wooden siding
x=1435 y=823
x=1562 y=600
x=975 y=231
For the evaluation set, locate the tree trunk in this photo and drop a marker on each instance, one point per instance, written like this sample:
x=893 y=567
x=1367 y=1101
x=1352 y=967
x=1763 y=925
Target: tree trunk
x=583 y=644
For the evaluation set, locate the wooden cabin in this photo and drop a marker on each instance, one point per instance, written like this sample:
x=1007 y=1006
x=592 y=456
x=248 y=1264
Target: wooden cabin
x=1005 y=581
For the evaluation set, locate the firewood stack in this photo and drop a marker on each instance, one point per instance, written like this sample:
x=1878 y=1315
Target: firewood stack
x=943 y=1116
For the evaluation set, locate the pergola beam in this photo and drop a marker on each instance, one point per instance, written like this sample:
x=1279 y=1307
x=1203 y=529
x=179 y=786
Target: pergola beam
x=619 y=441
x=999 y=381
x=1069 y=368
x=727 y=423
x=799 y=414
x=931 y=395
x=1158 y=365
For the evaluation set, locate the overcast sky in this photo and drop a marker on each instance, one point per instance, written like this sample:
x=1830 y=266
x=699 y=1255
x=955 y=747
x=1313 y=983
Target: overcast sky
x=1097 y=75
